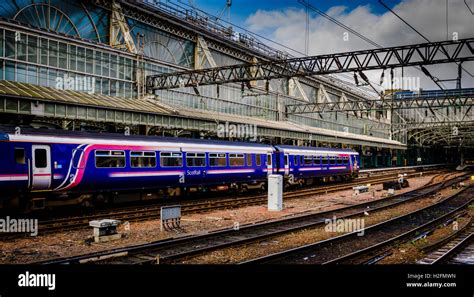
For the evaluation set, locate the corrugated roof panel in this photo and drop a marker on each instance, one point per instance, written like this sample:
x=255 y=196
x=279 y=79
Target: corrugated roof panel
x=75 y=97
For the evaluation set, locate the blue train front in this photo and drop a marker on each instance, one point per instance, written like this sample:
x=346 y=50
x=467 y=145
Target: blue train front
x=52 y=169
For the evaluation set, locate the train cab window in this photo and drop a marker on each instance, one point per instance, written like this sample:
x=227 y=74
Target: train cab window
x=142 y=159
x=20 y=155
x=195 y=159
x=217 y=160
x=332 y=160
x=308 y=160
x=249 y=159
x=109 y=159
x=258 y=160
x=269 y=160
x=171 y=159
x=236 y=160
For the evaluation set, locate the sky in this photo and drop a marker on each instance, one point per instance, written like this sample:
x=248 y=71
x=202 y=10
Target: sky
x=283 y=21
x=241 y=9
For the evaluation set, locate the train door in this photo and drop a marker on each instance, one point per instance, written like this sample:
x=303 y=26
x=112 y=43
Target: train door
x=269 y=164
x=287 y=164
x=41 y=167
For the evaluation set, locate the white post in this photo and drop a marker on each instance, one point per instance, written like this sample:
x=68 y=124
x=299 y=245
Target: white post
x=275 y=192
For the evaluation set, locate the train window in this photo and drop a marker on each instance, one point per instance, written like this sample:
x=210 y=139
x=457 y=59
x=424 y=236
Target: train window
x=109 y=159
x=324 y=160
x=269 y=159
x=249 y=159
x=142 y=159
x=20 y=155
x=258 y=160
x=332 y=160
x=345 y=160
x=171 y=159
x=338 y=160
x=40 y=158
x=317 y=160
x=236 y=159
x=308 y=160
x=296 y=160
x=301 y=160
x=217 y=160
x=195 y=159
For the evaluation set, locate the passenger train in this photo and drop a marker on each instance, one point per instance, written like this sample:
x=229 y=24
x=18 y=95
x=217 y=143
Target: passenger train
x=45 y=168
x=407 y=94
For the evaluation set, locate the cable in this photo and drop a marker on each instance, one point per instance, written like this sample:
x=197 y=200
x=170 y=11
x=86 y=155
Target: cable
x=447 y=25
x=309 y=6
x=280 y=44
x=472 y=12
x=306 y=33
x=383 y=4
x=306 y=4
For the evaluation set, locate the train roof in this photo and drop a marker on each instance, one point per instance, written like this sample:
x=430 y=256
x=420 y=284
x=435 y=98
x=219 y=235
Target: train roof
x=46 y=135
x=51 y=136
x=314 y=150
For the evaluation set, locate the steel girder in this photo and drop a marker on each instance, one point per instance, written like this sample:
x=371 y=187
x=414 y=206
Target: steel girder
x=400 y=56
x=381 y=105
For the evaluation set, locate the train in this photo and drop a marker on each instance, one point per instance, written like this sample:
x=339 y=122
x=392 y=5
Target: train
x=407 y=94
x=44 y=169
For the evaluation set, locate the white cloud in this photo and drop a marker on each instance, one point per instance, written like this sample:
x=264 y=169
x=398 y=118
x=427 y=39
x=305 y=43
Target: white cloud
x=427 y=16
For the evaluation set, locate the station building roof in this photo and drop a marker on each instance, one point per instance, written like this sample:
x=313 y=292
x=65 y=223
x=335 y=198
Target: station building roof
x=285 y=125
x=151 y=107
x=24 y=90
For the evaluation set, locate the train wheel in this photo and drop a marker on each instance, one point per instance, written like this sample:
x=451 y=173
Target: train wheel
x=263 y=188
x=243 y=189
x=102 y=199
x=86 y=204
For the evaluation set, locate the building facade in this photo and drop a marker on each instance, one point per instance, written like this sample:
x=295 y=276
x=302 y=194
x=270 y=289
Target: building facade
x=105 y=49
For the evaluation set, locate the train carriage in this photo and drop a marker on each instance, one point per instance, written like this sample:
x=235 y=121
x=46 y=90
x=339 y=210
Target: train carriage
x=52 y=168
x=105 y=167
x=304 y=165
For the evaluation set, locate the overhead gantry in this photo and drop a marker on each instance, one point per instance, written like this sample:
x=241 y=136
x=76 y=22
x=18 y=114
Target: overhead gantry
x=450 y=51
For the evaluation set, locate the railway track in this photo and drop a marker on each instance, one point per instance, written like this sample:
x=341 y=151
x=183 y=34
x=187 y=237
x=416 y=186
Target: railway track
x=459 y=250
x=172 y=250
x=352 y=247
x=380 y=251
x=140 y=213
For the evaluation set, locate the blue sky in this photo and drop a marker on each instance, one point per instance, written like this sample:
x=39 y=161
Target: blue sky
x=241 y=9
